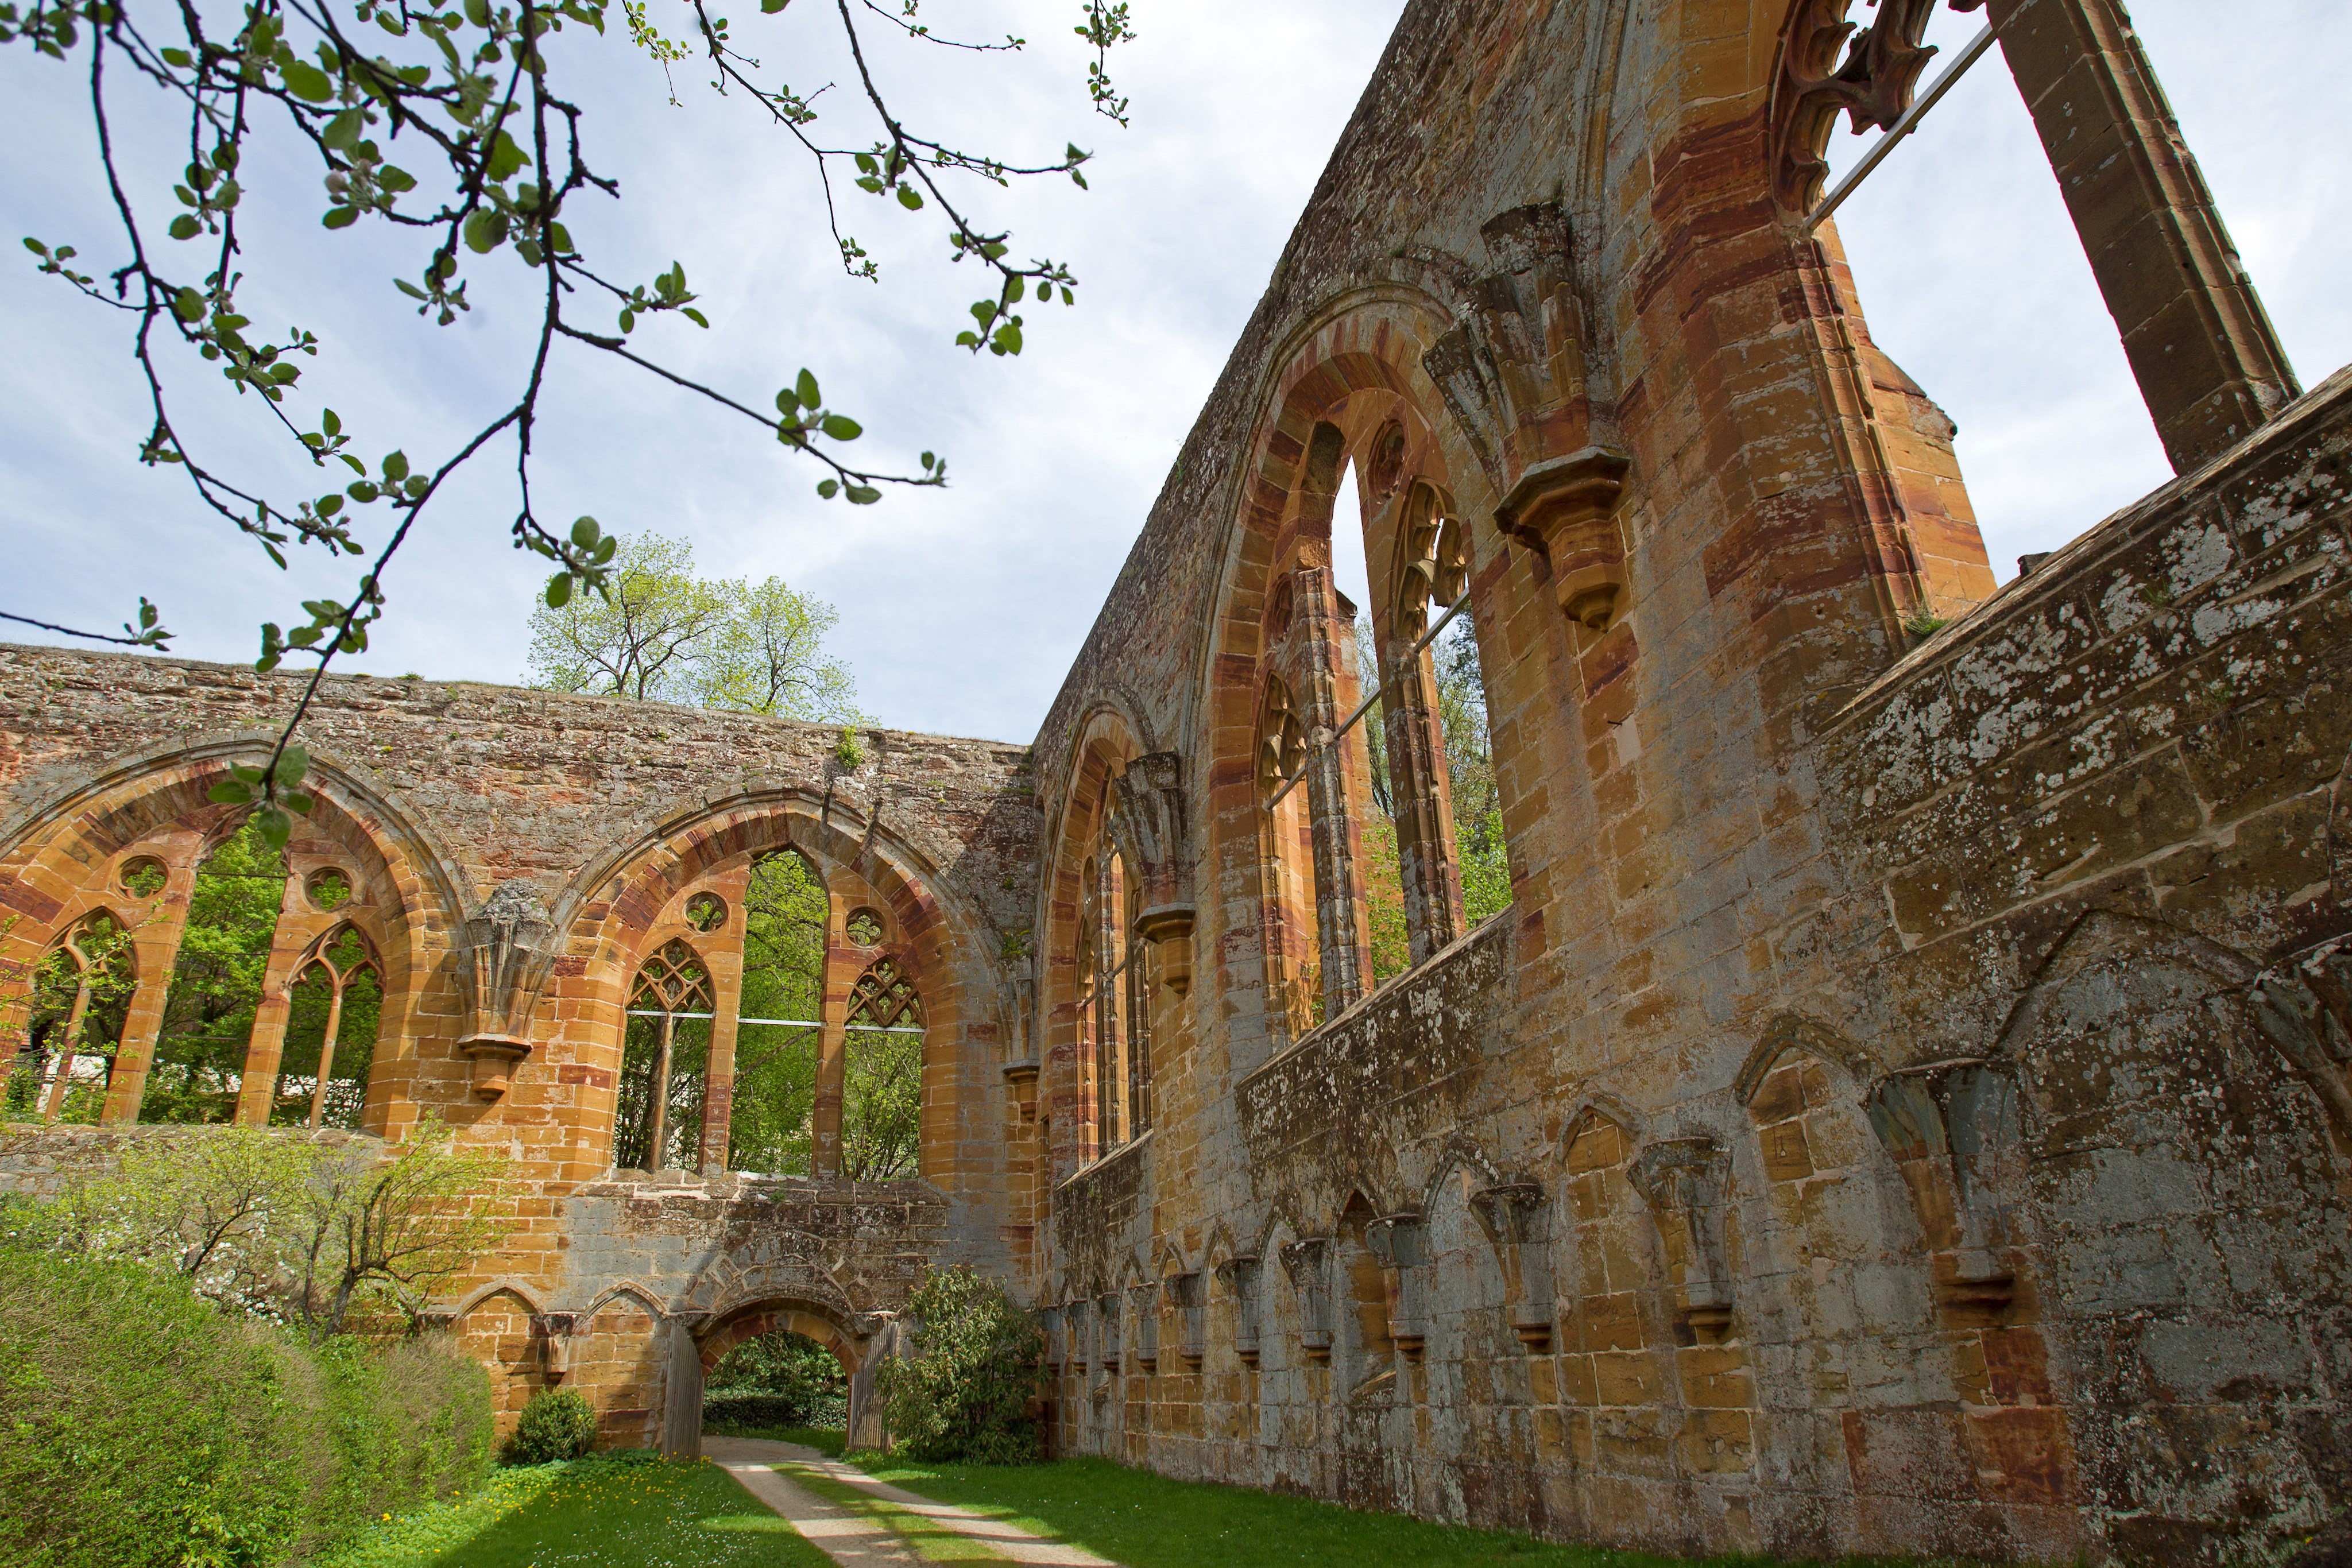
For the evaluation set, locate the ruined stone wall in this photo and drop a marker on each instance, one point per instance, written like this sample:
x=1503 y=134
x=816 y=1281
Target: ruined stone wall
x=1907 y=1062
x=602 y=817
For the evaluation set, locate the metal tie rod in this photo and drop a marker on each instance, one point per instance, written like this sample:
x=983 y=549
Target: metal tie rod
x=1903 y=127
x=787 y=1023
x=1404 y=662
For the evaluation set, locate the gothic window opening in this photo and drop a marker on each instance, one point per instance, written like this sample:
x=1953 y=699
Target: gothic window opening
x=332 y=1013
x=1446 y=783
x=79 y=1003
x=882 y=1081
x=770 y=1126
x=658 y=1123
x=1367 y=782
x=1287 y=853
x=216 y=983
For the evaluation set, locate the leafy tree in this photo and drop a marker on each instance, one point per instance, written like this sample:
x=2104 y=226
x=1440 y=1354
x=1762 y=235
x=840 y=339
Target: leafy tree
x=1470 y=770
x=978 y=1358
x=658 y=632
x=767 y=656
x=369 y=1230
x=784 y=914
x=495 y=169
x=216 y=980
x=285 y=1228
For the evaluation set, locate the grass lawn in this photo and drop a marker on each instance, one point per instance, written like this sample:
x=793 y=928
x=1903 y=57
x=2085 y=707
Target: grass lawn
x=825 y=1440
x=1146 y=1520
x=597 y=1513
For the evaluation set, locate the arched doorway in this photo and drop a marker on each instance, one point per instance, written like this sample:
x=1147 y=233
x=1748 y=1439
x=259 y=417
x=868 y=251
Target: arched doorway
x=787 y=1336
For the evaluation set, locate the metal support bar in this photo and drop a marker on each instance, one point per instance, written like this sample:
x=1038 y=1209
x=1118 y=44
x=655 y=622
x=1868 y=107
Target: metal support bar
x=1902 y=128
x=1404 y=662
x=787 y=1023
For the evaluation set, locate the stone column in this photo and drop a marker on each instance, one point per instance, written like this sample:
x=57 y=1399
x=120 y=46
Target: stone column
x=1424 y=820
x=1318 y=635
x=265 y=1048
x=156 y=948
x=2207 y=363
x=1398 y=1242
x=841 y=972
x=719 y=1065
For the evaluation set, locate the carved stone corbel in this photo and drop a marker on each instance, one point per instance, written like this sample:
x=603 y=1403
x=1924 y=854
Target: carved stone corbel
x=1241 y=1277
x=1307 y=1262
x=1110 y=1332
x=1514 y=1215
x=1683 y=1181
x=1568 y=506
x=554 y=1330
x=1945 y=1128
x=1397 y=1241
x=508 y=947
x=1184 y=1292
x=1074 y=1329
x=1148 y=823
x=2304 y=1006
x=1145 y=1305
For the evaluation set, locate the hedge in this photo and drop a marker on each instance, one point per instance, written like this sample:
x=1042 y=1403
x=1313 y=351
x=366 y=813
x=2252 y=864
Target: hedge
x=139 y=1426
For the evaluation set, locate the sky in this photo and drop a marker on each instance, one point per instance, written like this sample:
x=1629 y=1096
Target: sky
x=961 y=608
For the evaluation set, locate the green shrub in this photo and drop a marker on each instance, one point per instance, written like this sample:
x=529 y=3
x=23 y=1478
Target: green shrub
x=141 y=1425
x=799 y=1382
x=558 y=1424
x=977 y=1361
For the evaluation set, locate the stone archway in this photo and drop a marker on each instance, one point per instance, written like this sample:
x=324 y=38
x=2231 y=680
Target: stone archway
x=858 y=1353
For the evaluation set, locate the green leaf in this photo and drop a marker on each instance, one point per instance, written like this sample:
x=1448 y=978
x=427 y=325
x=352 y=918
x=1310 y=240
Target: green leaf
x=629 y=321
x=336 y=218
x=828 y=487
x=396 y=466
x=308 y=81
x=506 y=158
x=605 y=546
x=342 y=132
x=362 y=491
x=292 y=763
x=911 y=198
x=585 y=533
x=180 y=58
x=806 y=387
x=229 y=793
x=770 y=8
x=296 y=800
x=274 y=826
x=930 y=461
x=185 y=226
x=484 y=230
x=862 y=495
x=331 y=422
x=697 y=316
x=841 y=427
x=417 y=484
x=389 y=178
x=329 y=504
x=559 y=590
x=189 y=305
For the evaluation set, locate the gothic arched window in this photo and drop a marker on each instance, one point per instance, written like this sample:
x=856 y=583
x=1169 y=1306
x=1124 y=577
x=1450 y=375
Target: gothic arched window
x=80 y=1001
x=658 y=1121
x=217 y=982
x=882 y=1079
x=332 y=1013
x=785 y=910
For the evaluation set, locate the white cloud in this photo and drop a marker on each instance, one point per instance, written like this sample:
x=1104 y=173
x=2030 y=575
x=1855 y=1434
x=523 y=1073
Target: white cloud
x=961 y=609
